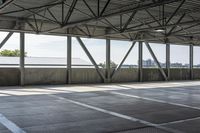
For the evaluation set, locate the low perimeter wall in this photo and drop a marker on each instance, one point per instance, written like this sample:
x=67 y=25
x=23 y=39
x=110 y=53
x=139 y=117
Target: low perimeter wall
x=41 y=76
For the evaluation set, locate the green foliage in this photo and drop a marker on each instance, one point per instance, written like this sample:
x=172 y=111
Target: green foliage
x=112 y=64
x=12 y=53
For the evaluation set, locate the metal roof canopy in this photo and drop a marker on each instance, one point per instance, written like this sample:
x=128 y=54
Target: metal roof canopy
x=162 y=21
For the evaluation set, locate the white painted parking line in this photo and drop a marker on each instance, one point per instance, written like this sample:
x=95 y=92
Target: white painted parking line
x=180 y=121
x=154 y=100
x=168 y=90
x=165 y=90
x=117 y=114
x=10 y=125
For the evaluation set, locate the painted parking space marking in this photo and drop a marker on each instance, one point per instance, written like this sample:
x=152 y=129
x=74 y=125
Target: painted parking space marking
x=154 y=100
x=164 y=90
x=117 y=114
x=10 y=125
x=180 y=121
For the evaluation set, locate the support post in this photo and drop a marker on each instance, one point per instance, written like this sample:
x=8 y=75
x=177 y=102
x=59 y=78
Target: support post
x=69 y=59
x=108 y=61
x=91 y=58
x=6 y=39
x=156 y=61
x=22 y=69
x=140 y=60
x=122 y=62
x=191 y=61
x=168 y=60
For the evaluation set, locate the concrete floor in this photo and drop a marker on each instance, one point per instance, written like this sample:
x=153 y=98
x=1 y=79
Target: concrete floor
x=172 y=107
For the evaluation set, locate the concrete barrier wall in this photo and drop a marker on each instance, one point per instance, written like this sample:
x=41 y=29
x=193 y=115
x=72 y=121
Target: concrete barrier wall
x=152 y=74
x=180 y=74
x=196 y=73
x=126 y=75
x=85 y=75
x=41 y=76
x=9 y=76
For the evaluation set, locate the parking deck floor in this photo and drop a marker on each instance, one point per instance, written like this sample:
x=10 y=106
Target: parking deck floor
x=165 y=107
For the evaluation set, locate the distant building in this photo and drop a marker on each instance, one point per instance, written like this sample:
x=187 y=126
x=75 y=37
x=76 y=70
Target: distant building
x=129 y=66
x=180 y=65
x=43 y=62
x=151 y=63
x=148 y=63
x=176 y=65
x=198 y=65
x=76 y=63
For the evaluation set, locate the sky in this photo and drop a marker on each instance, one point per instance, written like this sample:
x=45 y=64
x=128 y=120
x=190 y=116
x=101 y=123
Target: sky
x=55 y=46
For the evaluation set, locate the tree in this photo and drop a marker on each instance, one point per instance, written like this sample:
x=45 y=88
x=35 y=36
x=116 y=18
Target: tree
x=12 y=53
x=112 y=64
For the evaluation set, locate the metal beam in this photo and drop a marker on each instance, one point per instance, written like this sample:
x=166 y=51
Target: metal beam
x=71 y=9
x=69 y=58
x=7 y=3
x=22 y=54
x=91 y=58
x=168 y=60
x=35 y=13
x=104 y=8
x=32 y=8
x=36 y=24
x=51 y=14
x=177 y=9
x=122 y=62
x=89 y=8
x=112 y=26
x=125 y=11
x=108 y=61
x=157 y=21
x=6 y=39
x=43 y=9
x=31 y=26
x=185 y=28
x=140 y=61
x=138 y=29
x=156 y=60
x=191 y=60
x=177 y=23
x=128 y=21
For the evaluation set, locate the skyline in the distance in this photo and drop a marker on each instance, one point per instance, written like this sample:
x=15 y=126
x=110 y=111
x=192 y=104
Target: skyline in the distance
x=55 y=46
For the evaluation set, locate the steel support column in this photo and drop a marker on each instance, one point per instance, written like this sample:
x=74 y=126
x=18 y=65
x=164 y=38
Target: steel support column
x=125 y=57
x=91 y=59
x=108 y=61
x=140 y=60
x=168 y=60
x=69 y=59
x=6 y=39
x=156 y=61
x=191 y=61
x=22 y=54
